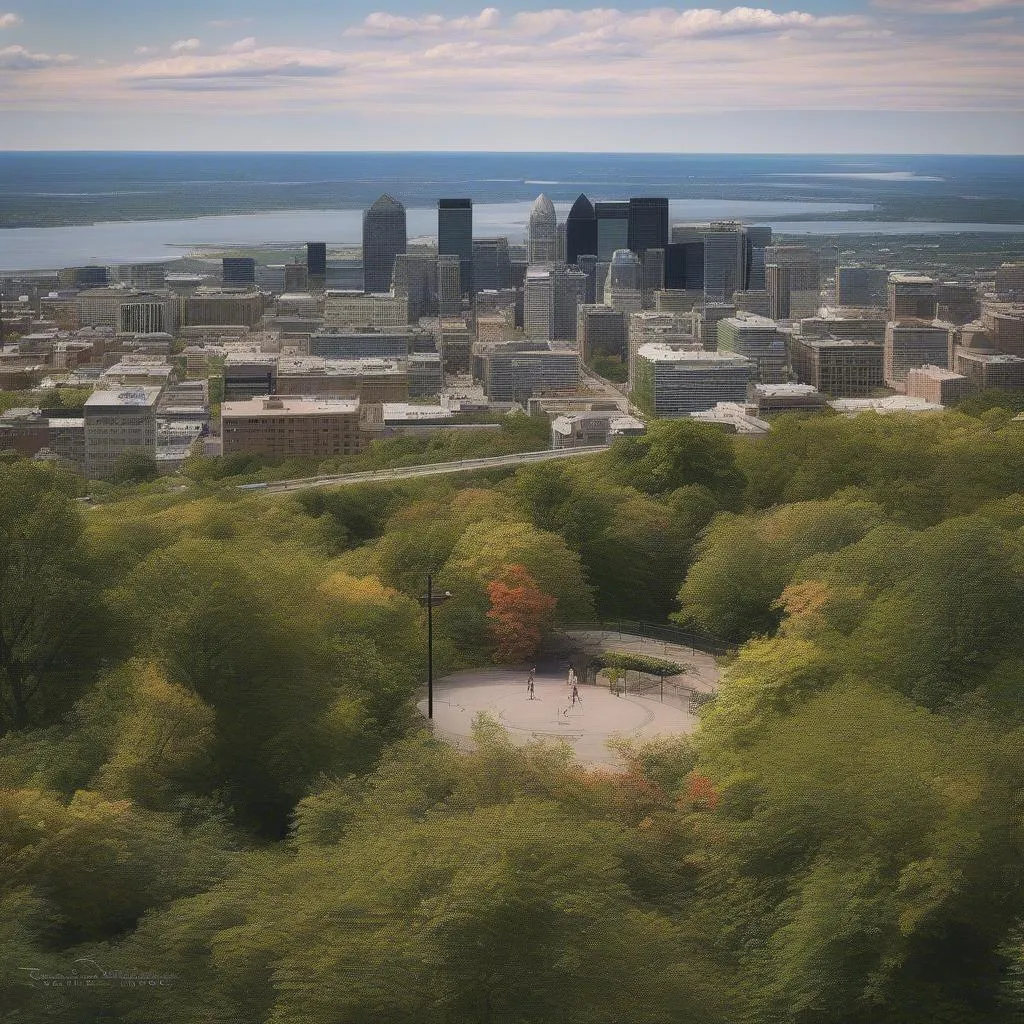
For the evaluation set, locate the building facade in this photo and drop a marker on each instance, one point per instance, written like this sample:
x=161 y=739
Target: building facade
x=384 y=237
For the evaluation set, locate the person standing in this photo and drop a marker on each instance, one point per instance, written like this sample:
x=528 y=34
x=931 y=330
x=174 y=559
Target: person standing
x=576 y=695
x=529 y=687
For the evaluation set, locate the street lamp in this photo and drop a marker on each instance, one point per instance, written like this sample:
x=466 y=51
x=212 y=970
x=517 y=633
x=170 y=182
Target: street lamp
x=430 y=600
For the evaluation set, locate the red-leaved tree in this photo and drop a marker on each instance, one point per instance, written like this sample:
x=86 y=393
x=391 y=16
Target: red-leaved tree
x=520 y=614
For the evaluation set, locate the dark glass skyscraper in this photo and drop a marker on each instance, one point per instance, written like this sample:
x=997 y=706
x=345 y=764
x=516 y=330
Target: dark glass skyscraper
x=455 y=236
x=684 y=265
x=316 y=264
x=612 y=229
x=238 y=272
x=384 y=238
x=580 y=231
x=648 y=224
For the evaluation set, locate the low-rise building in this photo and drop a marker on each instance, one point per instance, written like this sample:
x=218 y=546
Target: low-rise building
x=369 y=380
x=758 y=339
x=989 y=370
x=778 y=398
x=840 y=367
x=884 y=406
x=937 y=385
x=674 y=382
x=116 y=421
x=734 y=418
x=587 y=429
x=911 y=343
x=512 y=375
x=285 y=426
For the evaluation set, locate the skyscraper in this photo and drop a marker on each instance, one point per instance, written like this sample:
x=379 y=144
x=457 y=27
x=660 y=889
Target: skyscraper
x=238 y=272
x=580 y=231
x=803 y=280
x=492 y=265
x=612 y=228
x=553 y=294
x=647 y=224
x=759 y=237
x=542 y=228
x=455 y=236
x=684 y=265
x=316 y=264
x=623 y=287
x=724 y=260
x=384 y=238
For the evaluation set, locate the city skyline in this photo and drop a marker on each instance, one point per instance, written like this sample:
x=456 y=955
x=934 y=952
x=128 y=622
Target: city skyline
x=856 y=76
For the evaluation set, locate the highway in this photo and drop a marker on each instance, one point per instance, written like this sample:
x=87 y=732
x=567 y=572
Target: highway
x=409 y=472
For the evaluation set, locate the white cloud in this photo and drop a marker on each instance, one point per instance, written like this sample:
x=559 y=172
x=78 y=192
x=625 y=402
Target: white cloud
x=17 y=58
x=950 y=6
x=144 y=51
x=241 y=67
x=185 y=44
x=9 y=20
x=396 y=25
x=242 y=46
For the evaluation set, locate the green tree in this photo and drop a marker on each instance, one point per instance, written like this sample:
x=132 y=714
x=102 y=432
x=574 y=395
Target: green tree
x=135 y=466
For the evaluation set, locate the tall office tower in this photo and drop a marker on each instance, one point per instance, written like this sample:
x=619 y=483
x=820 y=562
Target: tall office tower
x=296 y=278
x=778 y=288
x=612 y=228
x=725 y=256
x=759 y=237
x=455 y=236
x=316 y=265
x=238 y=272
x=861 y=286
x=147 y=275
x=956 y=303
x=911 y=296
x=384 y=237
x=803 y=280
x=684 y=265
x=588 y=264
x=602 y=332
x=560 y=241
x=449 y=284
x=84 y=277
x=623 y=289
x=647 y=225
x=653 y=275
x=492 y=266
x=758 y=339
x=542 y=227
x=552 y=295
x=915 y=343
x=581 y=231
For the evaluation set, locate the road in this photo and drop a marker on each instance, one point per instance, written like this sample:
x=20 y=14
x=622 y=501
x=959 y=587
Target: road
x=408 y=472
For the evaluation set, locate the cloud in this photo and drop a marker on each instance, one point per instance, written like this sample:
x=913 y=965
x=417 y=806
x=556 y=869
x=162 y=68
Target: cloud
x=242 y=46
x=17 y=58
x=144 y=51
x=185 y=44
x=9 y=20
x=243 y=67
x=949 y=6
x=396 y=25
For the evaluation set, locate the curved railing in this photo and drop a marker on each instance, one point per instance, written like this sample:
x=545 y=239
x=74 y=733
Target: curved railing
x=662 y=631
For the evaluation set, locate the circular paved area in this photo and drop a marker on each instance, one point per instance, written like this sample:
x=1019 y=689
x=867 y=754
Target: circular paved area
x=501 y=693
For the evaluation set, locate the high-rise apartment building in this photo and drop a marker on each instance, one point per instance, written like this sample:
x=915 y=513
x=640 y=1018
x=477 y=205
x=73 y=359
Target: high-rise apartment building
x=455 y=236
x=612 y=228
x=581 y=231
x=910 y=343
x=677 y=382
x=647 y=224
x=542 y=227
x=384 y=237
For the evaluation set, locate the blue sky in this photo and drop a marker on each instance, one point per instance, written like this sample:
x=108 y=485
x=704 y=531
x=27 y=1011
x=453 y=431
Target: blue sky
x=810 y=75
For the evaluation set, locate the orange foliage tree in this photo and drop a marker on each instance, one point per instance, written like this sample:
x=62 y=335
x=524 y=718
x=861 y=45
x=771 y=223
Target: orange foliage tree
x=520 y=613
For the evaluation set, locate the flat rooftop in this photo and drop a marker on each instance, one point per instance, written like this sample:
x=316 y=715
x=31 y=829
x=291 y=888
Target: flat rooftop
x=657 y=353
x=285 y=406
x=125 y=398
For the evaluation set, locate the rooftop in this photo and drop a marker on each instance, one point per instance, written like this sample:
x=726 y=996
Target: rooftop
x=285 y=406
x=658 y=353
x=888 y=404
x=140 y=397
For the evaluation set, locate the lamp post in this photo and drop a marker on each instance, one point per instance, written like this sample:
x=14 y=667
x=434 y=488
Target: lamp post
x=430 y=600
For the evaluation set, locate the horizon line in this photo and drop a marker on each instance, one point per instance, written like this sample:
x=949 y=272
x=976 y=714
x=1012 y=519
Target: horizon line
x=510 y=152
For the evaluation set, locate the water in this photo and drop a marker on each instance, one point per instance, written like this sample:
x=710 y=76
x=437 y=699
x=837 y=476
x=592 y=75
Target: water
x=134 y=207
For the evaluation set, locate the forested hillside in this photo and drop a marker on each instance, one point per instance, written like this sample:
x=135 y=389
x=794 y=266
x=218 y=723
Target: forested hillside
x=218 y=791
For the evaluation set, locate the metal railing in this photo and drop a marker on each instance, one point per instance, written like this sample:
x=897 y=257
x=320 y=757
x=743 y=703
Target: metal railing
x=663 y=632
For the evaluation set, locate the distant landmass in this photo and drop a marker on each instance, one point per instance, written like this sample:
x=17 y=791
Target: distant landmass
x=70 y=188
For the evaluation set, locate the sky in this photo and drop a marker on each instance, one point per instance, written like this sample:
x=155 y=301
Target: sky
x=820 y=76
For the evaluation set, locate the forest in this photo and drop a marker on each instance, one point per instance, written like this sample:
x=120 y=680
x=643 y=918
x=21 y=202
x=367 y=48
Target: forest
x=220 y=804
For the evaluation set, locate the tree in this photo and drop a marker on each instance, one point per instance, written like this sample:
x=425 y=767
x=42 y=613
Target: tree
x=520 y=614
x=135 y=466
x=54 y=627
